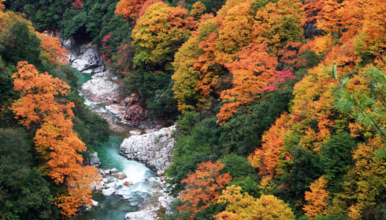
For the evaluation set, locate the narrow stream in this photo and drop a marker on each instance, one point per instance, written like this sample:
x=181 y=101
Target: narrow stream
x=128 y=198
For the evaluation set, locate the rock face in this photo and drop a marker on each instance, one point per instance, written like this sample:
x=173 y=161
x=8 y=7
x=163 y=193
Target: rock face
x=134 y=114
x=154 y=148
x=85 y=58
x=102 y=88
x=93 y=160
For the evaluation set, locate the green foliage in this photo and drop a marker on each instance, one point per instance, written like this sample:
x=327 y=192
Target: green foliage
x=249 y=184
x=21 y=45
x=6 y=82
x=67 y=74
x=237 y=166
x=120 y=31
x=307 y=167
x=322 y=217
x=23 y=191
x=336 y=156
x=242 y=134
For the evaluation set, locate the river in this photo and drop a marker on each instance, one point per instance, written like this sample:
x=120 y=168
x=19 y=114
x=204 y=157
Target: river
x=128 y=198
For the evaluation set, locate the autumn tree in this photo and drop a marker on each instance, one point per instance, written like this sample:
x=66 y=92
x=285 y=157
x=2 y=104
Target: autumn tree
x=203 y=187
x=278 y=23
x=317 y=198
x=129 y=8
x=198 y=8
x=144 y=8
x=240 y=207
x=158 y=35
x=206 y=59
x=253 y=71
x=362 y=183
x=52 y=50
x=272 y=150
x=55 y=141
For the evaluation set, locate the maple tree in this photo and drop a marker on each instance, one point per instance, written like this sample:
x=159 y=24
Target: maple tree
x=55 y=141
x=267 y=158
x=203 y=187
x=52 y=50
x=251 y=73
x=129 y=8
x=240 y=206
x=144 y=8
x=317 y=198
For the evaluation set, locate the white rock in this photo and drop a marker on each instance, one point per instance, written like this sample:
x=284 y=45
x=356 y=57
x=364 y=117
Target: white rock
x=111 y=185
x=113 y=171
x=154 y=149
x=94 y=203
x=116 y=109
x=85 y=58
x=135 y=132
x=108 y=192
x=163 y=201
x=101 y=89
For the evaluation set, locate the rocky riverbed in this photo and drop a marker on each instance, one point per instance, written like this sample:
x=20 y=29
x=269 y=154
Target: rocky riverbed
x=149 y=143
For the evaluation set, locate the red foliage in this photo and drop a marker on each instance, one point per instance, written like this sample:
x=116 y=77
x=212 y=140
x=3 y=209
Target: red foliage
x=280 y=77
x=107 y=48
x=78 y=4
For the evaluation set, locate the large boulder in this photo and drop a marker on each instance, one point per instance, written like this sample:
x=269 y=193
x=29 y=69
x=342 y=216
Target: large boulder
x=120 y=175
x=92 y=160
x=85 y=57
x=134 y=114
x=154 y=148
x=101 y=88
x=108 y=191
x=132 y=99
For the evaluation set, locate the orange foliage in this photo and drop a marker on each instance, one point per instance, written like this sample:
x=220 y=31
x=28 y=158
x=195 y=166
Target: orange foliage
x=52 y=47
x=129 y=8
x=317 y=198
x=253 y=71
x=220 y=41
x=145 y=6
x=267 y=158
x=291 y=56
x=203 y=187
x=55 y=140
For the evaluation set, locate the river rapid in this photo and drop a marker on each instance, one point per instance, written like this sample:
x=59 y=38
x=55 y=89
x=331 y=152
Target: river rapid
x=128 y=198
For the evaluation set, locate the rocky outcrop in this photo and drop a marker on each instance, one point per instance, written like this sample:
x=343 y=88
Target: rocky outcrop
x=154 y=148
x=129 y=111
x=85 y=58
x=103 y=88
x=134 y=114
x=92 y=160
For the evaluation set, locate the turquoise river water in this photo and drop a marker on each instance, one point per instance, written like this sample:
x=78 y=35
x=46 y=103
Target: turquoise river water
x=127 y=199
